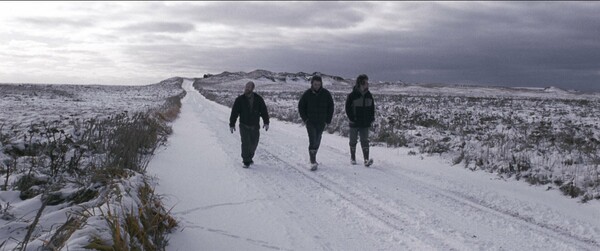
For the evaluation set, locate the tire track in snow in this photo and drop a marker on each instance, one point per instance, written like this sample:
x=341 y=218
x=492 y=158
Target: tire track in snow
x=217 y=112
x=284 y=166
x=511 y=216
x=385 y=213
x=389 y=219
x=460 y=201
x=390 y=214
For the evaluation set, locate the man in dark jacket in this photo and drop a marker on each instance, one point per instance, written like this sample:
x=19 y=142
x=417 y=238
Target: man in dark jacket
x=360 y=109
x=316 y=110
x=249 y=107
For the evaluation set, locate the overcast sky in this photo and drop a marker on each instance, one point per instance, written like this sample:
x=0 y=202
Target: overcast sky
x=534 y=44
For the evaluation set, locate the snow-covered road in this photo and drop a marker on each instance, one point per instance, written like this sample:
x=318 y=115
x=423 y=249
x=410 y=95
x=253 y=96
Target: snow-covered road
x=402 y=202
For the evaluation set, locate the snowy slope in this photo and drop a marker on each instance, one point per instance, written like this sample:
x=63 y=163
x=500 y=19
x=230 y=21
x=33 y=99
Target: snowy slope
x=402 y=202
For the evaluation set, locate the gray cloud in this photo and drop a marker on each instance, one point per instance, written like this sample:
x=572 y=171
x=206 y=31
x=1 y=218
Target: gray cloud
x=166 y=27
x=280 y=15
x=515 y=44
x=492 y=43
x=50 y=22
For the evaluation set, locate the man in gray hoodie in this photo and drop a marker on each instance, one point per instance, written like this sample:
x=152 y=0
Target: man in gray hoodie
x=360 y=109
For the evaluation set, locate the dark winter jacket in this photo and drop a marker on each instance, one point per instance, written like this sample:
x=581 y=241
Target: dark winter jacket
x=249 y=115
x=360 y=109
x=316 y=107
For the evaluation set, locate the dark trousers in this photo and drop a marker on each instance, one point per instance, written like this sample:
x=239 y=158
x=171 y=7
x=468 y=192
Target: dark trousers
x=314 y=139
x=364 y=136
x=364 y=141
x=250 y=136
x=314 y=135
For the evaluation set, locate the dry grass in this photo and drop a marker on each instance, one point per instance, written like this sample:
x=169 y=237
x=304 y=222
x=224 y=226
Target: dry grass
x=102 y=151
x=139 y=227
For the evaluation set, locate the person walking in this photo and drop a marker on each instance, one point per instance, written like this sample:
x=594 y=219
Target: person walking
x=250 y=107
x=360 y=109
x=316 y=110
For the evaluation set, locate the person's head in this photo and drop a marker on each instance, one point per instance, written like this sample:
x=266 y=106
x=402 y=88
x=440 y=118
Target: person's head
x=362 y=82
x=249 y=88
x=316 y=82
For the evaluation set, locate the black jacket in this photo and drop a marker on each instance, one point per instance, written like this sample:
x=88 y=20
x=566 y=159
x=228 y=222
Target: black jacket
x=316 y=107
x=360 y=109
x=249 y=117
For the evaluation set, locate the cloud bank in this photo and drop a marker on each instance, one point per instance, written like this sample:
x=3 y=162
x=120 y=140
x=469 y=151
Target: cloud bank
x=534 y=44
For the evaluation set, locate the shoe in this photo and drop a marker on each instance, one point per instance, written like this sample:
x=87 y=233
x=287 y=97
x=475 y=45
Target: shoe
x=353 y=162
x=313 y=166
x=313 y=156
x=368 y=162
x=246 y=164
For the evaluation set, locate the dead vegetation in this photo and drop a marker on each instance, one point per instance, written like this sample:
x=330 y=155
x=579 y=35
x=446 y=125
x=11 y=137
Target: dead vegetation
x=77 y=161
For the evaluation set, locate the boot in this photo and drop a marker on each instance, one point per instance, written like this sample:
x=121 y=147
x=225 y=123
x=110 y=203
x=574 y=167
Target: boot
x=313 y=160
x=368 y=162
x=313 y=156
x=365 y=151
x=353 y=155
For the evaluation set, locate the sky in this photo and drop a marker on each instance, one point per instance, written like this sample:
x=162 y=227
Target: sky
x=524 y=44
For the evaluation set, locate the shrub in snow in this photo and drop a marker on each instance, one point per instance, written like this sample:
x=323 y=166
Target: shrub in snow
x=63 y=148
x=540 y=139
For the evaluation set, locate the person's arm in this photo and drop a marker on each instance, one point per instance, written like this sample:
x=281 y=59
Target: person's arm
x=349 y=110
x=264 y=113
x=302 y=108
x=372 y=110
x=235 y=112
x=330 y=108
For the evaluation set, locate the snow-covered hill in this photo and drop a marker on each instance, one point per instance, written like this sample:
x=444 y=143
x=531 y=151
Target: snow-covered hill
x=268 y=80
x=403 y=202
x=273 y=81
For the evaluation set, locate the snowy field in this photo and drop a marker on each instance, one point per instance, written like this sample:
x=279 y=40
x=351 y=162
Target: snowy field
x=543 y=136
x=447 y=177
x=54 y=143
x=27 y=104
x=405 y=201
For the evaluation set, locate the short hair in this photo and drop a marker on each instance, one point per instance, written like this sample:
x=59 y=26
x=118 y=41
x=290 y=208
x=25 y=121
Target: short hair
x=316 y=78
x=361 y=79
x=250 y=82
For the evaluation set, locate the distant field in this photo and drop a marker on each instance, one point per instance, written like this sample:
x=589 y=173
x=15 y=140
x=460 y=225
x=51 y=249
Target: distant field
x=27 y=104
x=544 y=136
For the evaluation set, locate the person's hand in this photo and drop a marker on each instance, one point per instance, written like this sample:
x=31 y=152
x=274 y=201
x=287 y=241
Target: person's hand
x=266 y=126
x=231 y=128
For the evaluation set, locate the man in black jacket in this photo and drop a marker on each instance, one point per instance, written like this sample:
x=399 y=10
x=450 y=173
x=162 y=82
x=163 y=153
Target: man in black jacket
x=249 y=107
x=360 y=109
x=316 y=110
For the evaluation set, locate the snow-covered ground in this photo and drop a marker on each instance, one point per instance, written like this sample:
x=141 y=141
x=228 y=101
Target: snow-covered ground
x=402 y=202
x=26 y=104
x=546 y=137
x=68 y=108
